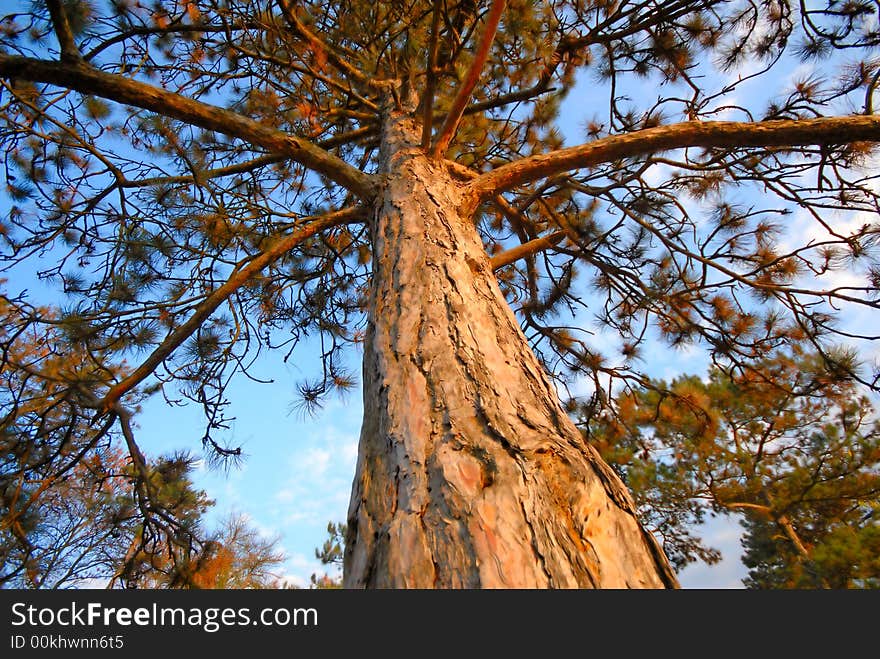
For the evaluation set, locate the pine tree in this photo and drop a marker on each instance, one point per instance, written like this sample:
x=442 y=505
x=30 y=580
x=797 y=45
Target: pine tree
x=204 y=180
x=85 y=530
x=332 y=553
x=790 y=449
x=236 y=556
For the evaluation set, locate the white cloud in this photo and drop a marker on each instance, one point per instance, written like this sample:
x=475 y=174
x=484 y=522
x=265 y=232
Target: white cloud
x=722 y=533
x=313 y=463
x=284 y=496
x=301 y=568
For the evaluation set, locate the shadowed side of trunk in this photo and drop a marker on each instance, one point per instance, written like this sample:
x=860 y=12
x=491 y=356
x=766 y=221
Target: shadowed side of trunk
x=469 y=472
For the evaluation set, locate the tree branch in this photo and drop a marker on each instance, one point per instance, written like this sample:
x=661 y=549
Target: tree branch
x=220 y=172
x=735 y=505
x=169 y=29
x=61 y=25
x=706 y=134
x=526 y=249
x=430 y=78
x=788 y=527
x=88 y=80
x=350 y=136
x=470 y=81
x=317 y=44
x=567 y=45
x=241 y=275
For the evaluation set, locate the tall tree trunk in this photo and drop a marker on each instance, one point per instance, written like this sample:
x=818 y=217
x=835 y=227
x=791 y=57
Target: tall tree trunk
x=469 y=472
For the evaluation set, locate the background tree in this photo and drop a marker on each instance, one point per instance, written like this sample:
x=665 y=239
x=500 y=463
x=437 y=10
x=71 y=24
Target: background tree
x=243 y=558
x=843 y=557
x=79 y=530
x=204 y=180
x=331 y=553
x=237 y=556
x=85 y=530
x=791 y=451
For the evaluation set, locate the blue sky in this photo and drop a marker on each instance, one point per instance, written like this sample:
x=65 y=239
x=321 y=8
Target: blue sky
x=297 y=471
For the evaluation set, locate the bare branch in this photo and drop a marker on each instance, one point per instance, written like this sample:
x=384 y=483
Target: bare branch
x=88 y=80
x=526 y=249
x=153 y=30
x=338 y=62
x=470 y=81
x=706 y=134
x=240 y=276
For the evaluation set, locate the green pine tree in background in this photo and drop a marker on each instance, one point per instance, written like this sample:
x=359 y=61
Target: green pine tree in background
x=792 y=451
x=196 y=183
x=331 y=553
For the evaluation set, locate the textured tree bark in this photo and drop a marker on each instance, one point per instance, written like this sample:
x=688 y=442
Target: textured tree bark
x=469 y=472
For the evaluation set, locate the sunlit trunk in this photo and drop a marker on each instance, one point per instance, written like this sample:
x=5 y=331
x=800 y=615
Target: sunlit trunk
x=469 y=472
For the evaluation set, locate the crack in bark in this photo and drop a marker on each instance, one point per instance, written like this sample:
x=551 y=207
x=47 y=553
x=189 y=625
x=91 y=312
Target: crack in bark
x=597 y=579
x=536 y=546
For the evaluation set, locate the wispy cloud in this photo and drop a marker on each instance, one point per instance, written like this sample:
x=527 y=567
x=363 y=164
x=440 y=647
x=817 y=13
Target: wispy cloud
x=724 y=534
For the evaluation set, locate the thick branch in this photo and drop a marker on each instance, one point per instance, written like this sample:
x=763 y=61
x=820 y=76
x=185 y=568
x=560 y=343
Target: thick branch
x=431 y=78
x=526 y=249
x=787 y=526
x=707 y=134
x=240 y=276
x=88 y=80
x=69 y=50
x=470 y=80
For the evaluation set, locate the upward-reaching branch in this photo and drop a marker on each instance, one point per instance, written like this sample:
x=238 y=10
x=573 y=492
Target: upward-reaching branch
x=88 y=80
x=61 y=25
x=526 y=249
x=430 y=78
x=241 y=275
x=470 y=81
x=708 y=134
